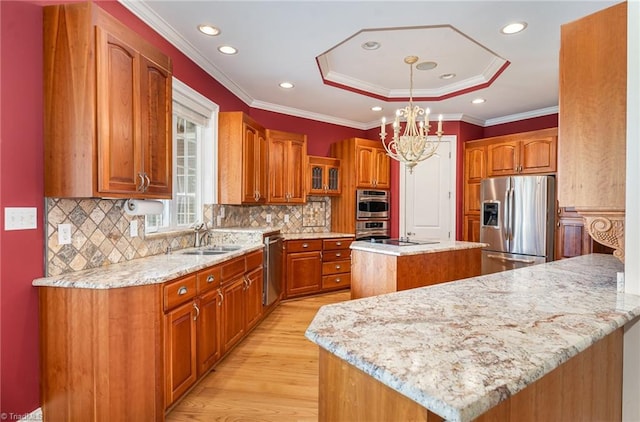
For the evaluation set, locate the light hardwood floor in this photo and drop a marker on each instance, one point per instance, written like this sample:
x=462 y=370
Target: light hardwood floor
x=271 y=376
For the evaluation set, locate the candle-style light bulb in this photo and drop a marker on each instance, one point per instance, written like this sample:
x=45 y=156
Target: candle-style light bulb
x=382 y=123
x=440 y=123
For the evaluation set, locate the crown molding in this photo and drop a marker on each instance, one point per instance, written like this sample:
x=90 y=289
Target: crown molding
x=151 y=18
x=521 y=116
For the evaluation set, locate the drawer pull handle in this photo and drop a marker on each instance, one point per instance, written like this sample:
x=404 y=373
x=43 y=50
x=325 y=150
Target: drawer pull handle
x=305 y=245
x=338 y=280
x=338 y=243
x=182 y=291
x=339 y=254
x=197 y=311
x=337 y=267
x=210 y=278
x=221 y=296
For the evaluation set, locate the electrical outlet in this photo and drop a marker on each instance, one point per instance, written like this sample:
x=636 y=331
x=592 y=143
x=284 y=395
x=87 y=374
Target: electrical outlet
x=133 y=228
x=268 y=218
x=286 y=218
x=64 y=234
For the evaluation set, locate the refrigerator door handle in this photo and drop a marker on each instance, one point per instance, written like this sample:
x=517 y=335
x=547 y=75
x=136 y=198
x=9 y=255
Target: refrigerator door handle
x=506 y=219
x=502 y=258
x=512 y=202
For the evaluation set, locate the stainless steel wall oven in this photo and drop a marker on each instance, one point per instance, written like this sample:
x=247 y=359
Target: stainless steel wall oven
x=372 y=204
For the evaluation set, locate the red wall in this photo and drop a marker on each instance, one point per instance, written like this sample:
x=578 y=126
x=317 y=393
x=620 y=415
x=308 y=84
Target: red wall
x=21 y=184
x=536 y=123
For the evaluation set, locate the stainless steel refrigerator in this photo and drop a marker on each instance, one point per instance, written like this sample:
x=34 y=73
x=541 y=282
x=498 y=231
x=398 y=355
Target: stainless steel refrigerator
x=517 y=216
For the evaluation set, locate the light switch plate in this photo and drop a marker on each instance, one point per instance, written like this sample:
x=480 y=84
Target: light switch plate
x=20 y=218
x=286 y=218
x=64 y=234
x=133 y=228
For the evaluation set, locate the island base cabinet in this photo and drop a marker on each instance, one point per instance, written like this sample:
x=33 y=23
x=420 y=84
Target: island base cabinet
x=587 y=387
x=88 y=371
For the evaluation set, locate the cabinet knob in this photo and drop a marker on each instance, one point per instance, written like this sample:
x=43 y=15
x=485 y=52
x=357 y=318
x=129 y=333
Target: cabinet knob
x=338 y=243
x=210 y=278
x=338 y=280
x=339 y=254
x=338 y=267
x=182 y=291
x=305 y=245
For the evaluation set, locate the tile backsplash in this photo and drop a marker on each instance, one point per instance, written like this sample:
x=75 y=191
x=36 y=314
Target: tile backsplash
x=100 y=229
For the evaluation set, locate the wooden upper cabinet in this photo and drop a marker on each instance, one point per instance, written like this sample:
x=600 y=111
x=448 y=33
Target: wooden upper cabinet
x=107 y=96
x=242 y=160
x=372 y=165
x=287 y=167
x=593 y=85
x=526 y=156
x=323 y=176
x=475 y=163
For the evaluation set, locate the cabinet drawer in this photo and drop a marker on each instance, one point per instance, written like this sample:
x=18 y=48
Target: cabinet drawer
x=304 y=245
x=232 y=268
x=335 y=267
x=336 y=281
x=254 y=260
x=336 y=255
x=328 y=244
x=209 y=279
x=179 y=291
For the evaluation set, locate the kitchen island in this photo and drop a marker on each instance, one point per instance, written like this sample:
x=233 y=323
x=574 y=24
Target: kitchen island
x=537 y=343
x=378 y=268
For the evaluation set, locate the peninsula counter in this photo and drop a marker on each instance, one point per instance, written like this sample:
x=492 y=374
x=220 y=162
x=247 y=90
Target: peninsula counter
x=537 y=343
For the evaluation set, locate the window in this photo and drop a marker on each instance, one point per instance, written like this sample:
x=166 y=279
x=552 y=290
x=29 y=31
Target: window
x=194 y=158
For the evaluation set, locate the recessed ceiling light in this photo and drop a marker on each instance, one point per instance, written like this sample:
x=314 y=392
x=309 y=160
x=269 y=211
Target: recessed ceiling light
x=376 y=108
x=286 y=85
x=371 y=45
x=447 y=76
x=209 y=30
x=514 y=28
x=426 y=65
x=227 y=49
x=478 y=100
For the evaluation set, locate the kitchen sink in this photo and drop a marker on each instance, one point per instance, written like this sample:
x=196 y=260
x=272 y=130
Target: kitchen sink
x=205 y=252
x=213 y=250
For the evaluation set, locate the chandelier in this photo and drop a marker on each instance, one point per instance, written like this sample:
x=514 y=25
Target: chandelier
x=414 y=144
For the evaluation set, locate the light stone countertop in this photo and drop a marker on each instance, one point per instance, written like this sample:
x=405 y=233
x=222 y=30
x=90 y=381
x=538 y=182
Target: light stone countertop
x=150 y=270
x=381 y=248
x=459 y=348
x=302 y=236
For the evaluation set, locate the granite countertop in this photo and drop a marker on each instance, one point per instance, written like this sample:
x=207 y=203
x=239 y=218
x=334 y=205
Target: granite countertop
x=328 y=235
x=459 y=348
x=452 y=245
x=150 y=270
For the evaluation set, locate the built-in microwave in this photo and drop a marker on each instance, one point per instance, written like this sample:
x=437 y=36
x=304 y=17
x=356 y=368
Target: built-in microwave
x=372 y=204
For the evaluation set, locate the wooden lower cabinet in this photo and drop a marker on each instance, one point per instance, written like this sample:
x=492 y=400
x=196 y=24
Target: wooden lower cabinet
x=232 y=313
x=253 y=297
x=317 y=265
x=208 y=330
x=471 y=228
x=180 y=350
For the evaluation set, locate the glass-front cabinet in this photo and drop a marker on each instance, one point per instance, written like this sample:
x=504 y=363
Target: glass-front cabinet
x=323 y=176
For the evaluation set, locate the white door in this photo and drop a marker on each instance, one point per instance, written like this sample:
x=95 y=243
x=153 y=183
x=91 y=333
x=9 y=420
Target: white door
x=427 y=197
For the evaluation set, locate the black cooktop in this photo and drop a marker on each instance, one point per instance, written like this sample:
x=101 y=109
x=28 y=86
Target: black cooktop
x=403 y=242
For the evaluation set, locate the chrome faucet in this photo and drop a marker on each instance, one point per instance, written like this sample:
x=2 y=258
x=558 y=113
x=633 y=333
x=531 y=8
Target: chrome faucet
x=199 y=229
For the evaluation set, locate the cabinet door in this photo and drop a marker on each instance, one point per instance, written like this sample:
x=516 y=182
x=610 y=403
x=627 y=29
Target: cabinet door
x=538 y=155
x=503 y=158
x=474 y=164
x=278 y=162
x=208 y=330
x=180 y=351
x=364 y=166
x=304 y=273
x=471 y=228
x=472 y=197
x=155 y=121
x=571 y=238
x=317 y=179
x=253 y=166
x=332 y=180
x=382 y=175
x=119 y=155
x=233 y=313
x=295 y=171
x=253 y=298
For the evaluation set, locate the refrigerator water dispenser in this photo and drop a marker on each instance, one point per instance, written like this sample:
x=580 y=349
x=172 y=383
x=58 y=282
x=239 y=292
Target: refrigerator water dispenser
x=490 y=214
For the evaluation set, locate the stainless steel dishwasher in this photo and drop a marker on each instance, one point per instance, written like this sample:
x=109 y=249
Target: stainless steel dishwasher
x=272 y=269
